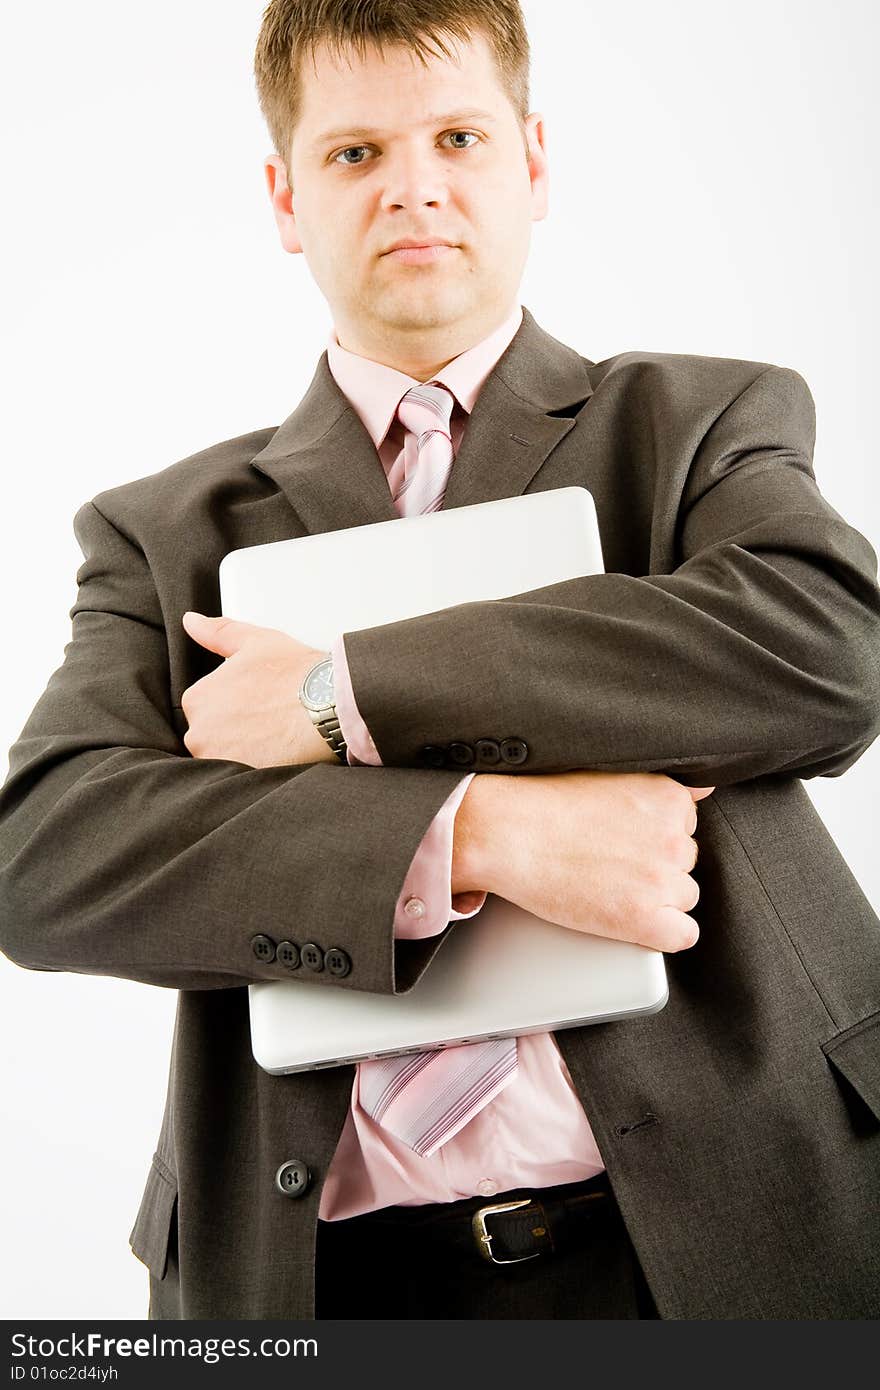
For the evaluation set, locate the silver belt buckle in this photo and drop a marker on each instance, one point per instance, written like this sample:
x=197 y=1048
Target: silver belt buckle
x=484 y=1238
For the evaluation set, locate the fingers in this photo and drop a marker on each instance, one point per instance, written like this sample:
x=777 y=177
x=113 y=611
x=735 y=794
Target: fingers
x=675 y=931
x=683 y=853
x=699 y=792
x=682 y=892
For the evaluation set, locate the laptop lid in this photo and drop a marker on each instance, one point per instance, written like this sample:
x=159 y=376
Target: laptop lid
x=340 y=581
x=500 y=974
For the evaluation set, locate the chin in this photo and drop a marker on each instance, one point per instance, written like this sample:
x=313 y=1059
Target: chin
x=422 y=310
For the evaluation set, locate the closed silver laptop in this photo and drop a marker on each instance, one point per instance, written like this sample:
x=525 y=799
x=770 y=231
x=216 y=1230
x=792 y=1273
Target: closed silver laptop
x=503 y=972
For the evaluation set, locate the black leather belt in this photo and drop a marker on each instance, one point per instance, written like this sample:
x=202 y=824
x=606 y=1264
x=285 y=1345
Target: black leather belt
x=519 y=1225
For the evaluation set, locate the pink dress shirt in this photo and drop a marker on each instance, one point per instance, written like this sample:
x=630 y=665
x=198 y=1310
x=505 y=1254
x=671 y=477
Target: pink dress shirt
x=535 y=1133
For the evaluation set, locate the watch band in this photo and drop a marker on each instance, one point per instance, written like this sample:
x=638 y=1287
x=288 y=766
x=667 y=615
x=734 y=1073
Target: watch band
x=327 y=724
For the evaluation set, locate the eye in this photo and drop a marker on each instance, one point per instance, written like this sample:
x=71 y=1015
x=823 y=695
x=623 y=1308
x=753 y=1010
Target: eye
x=469 y=133
x=338 y=158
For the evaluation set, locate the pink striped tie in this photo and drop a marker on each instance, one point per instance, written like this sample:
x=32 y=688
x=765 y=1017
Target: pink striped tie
x=425 y=1098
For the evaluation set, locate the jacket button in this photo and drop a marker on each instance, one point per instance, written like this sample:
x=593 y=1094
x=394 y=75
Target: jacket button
x=513 y=750
x=337 y=961
x=263 y=947
x=293 y=1178
x=461 y=754
x=487 y=751
x=432 y=756
x=312 y=956
x=288 y=954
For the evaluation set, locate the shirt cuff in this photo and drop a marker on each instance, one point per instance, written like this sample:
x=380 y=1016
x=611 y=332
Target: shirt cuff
x=426 y=903
x=362 y=751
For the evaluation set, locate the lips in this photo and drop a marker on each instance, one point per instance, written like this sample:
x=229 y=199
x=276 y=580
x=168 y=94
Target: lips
x=411 y=244
x=421 y=255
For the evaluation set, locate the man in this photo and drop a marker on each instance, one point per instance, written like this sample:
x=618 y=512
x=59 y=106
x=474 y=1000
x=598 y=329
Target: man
x=718 y=1159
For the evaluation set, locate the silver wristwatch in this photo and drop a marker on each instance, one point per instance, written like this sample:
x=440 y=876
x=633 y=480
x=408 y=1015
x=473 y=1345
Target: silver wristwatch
x=317 y=694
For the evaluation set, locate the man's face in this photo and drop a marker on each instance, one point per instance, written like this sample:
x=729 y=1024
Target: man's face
x=387 y=150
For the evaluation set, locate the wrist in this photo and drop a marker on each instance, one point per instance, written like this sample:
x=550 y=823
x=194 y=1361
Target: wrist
x=317 y=695
x=473 y=837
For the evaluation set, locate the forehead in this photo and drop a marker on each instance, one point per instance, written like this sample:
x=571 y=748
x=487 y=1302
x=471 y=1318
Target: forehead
x=346 y=90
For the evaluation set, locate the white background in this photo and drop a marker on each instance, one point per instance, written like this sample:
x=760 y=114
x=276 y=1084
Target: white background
x=713 y=190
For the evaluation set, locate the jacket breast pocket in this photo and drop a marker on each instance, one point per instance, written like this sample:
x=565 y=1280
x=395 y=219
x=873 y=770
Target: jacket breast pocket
x=855 y=1055
x=149 y=1235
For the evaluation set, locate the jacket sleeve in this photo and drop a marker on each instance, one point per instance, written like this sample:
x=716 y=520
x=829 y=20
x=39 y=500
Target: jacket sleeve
x=429 y=878
x=120 y=854
x=758 y=654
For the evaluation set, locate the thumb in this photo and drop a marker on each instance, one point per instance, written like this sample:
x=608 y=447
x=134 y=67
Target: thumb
x=221 y=635
x=697 y=793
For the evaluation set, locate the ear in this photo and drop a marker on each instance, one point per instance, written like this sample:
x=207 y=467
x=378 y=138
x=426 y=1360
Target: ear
x=539 y=168
x=281 y=197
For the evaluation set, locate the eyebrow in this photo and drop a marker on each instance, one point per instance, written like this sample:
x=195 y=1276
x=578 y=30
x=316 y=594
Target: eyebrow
x=356 y=132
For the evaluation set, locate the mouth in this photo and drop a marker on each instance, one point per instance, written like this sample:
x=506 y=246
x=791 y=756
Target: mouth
x=420 y=255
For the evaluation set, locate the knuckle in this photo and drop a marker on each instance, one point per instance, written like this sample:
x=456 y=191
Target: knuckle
x=651 y=933
x=663 y=788
x=671 y=845
x=656 y=872
x=679 y=796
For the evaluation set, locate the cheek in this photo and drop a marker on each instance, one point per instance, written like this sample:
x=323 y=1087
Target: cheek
x=332 y=245
x=502 y=200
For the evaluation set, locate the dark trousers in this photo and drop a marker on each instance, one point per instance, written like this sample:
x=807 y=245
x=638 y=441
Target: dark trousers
x=415 y=1262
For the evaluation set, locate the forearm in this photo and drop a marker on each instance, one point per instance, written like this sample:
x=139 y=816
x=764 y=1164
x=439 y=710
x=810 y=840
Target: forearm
x=157 y=867
x=756 y=655
x=475 y=838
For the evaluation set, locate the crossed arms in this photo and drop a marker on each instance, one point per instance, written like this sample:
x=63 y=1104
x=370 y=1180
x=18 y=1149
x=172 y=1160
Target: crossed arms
x=120 y=854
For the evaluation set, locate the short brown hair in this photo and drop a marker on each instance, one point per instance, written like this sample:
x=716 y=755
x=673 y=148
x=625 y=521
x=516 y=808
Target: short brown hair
x=290 y=28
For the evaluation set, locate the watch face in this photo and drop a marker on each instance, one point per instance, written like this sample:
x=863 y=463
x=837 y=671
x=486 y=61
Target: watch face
x=318 y=688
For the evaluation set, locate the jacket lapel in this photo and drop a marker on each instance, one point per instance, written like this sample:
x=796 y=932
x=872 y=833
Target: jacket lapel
x=325 y=462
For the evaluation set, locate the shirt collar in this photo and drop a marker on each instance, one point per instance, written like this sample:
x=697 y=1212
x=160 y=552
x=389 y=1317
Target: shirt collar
x=375 y=390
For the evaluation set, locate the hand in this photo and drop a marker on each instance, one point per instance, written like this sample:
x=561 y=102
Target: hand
x=604 y=852
x=248 y=710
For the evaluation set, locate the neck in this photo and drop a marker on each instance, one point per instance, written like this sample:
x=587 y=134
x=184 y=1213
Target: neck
x=422 y=353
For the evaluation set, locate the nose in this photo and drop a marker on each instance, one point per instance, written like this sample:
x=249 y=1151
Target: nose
x=413 y=180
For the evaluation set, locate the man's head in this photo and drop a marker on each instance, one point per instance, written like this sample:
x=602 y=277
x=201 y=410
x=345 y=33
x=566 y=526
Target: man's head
x=404 y=120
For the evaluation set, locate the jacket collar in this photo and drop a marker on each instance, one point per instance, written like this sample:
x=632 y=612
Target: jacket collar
x=325 y=462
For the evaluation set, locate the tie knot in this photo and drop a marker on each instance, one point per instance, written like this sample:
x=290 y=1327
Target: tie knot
x=425 y=408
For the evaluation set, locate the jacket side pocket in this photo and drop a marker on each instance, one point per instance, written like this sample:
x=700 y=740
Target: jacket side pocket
x=855 y=1055
x=149 y=1235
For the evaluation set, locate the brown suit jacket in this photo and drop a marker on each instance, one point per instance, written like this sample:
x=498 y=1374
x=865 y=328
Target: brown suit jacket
x=733 y=641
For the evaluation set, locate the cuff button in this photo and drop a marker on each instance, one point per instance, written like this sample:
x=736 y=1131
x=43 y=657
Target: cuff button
x=514 y=750
x=414 y=907
x=287 y=955
x=488 y=751
x=337 y=961
x=461 y=754
x=312 y=956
